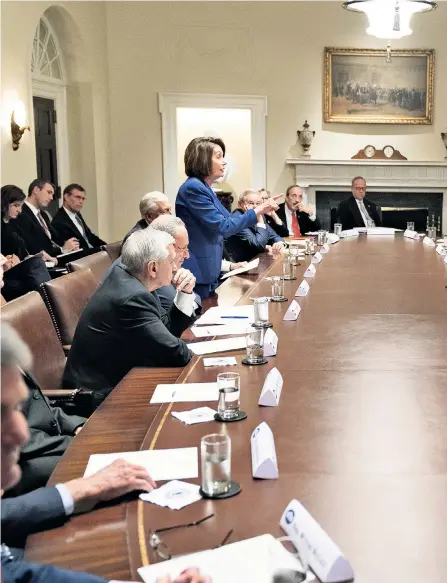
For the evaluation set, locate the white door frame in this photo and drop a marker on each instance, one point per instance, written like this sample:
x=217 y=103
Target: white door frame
x=167 y=106
x=57 y=92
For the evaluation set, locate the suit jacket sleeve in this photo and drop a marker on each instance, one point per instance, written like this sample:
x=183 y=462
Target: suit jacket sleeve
x=154 y=332
x=272 y=236
x=68 y=423
x=280 y=230
x=93 y=239
x=23 y=572
x=201 y=203
x=37 y=511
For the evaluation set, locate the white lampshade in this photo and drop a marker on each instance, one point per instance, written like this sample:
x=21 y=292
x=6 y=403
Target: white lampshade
x=389 y=19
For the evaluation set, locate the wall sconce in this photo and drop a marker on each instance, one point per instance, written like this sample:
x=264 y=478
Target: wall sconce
x=18 y=127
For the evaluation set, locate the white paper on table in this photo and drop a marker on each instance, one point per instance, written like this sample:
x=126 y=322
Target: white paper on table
x=428 y=242
x=174 y=495
x=310 y=271
x=293 y=311
x=332 y=238
x=185 y=393
x=441 y=250
x=210 y=346
x=161 y=464
x=251 y=265
x=254 y=560
x=263 y=453
x=234 y=315
x=199 y=415
x=324 y=557
x=381 y=231
x=349 y=233
x=220 y=361
x=219 y=330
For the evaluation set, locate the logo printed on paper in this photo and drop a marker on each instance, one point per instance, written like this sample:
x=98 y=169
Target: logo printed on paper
x=290 y=515
x=256 y=431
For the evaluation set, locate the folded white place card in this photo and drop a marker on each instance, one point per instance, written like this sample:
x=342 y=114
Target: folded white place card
x=349 y=233
x=255 y=560
x=270 y=343
x=317 y=258
x=263 y=454
x=271 y=391
x=411 y=234
x=325 y=249
x=428 y=242
x=220 y=361
x=185 y=393
x=441 y=250
x=303 y=289
x=325 y=558
x=445 y=259
x=293 y=311
x=161 y=464
x=332 y=238
x=310 y=271
x=210 y=346
x=252 y=265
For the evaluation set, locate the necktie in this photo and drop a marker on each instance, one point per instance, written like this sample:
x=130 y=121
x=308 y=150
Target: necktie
x=82 y=230
x=43 y=224
x=295 y=226
x=365 y=215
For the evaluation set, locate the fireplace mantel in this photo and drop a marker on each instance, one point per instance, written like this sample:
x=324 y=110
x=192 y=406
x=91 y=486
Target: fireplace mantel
x=380 y=175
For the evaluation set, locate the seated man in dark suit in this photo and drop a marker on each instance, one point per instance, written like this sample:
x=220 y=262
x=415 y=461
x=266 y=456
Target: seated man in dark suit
x=253 y=240
x=152 y=205
x=123 y=325
x=52 y=506
x=358 y=211
x=68 y=221
x=176 y=228
x=272 y=219
x=299 y=217
x=34 y=226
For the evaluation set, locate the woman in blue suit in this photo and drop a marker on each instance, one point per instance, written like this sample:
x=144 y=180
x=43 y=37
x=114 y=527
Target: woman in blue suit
x=206 y=219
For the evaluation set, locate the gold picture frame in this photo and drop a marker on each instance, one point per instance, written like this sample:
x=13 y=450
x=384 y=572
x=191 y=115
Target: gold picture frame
x=360 y=86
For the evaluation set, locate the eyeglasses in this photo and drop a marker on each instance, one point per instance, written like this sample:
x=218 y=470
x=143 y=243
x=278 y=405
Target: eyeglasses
x=184 y=249
x=253 y=204
x=361 y=188
x=161 y=548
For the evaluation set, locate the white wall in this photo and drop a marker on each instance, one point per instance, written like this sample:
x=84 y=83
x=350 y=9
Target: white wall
x=262 y=48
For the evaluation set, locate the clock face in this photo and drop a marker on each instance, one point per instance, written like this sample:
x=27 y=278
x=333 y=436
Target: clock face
x=369 y=151
x=388 y=151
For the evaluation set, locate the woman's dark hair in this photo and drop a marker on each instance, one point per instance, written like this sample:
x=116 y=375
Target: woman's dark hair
x=10 y=194
x=198 y=156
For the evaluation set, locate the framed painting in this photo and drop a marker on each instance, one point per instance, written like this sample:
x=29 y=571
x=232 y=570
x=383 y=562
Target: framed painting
x=361 y=86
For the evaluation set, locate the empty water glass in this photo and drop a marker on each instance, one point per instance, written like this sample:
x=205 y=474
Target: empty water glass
x=410 y=226
x=338 y=227
x=288 y=267
x=320 y=237
x=261 y=312
x=431 y=233
x=294 y=252
x=215 y=453
x=277 y=288
x=254 y=338
x=229 y=386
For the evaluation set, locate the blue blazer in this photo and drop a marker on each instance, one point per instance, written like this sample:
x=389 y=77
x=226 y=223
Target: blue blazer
x=207 y=222
x=18 y=571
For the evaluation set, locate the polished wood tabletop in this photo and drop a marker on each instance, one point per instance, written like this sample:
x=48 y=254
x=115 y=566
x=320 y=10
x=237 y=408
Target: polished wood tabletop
x=360 y=431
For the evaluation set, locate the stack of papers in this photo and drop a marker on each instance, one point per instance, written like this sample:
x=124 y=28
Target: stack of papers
x=252 y=265
x=174 y=495
x=161 y=464
x=185 y=393
x=199 y=415
x=225 y=330
x=243 y=315
x=220 y=361
x=218 y=345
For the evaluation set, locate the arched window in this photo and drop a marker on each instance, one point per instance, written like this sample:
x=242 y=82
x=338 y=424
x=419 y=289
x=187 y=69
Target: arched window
x=46 y=60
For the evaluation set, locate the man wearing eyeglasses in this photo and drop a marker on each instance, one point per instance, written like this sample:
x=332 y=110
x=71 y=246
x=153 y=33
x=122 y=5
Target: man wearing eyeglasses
x=247 y=243
x=358 y=211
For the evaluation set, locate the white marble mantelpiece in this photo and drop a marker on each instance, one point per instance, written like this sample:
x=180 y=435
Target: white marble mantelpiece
x=380 y=175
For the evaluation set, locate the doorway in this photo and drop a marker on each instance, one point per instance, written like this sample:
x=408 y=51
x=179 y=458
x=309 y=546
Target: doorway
x=45 y=120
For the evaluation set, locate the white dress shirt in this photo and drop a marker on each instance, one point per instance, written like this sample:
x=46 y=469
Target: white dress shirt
x=365 y=215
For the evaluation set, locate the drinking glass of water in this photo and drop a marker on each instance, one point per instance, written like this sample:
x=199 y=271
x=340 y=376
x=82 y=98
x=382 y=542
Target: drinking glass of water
x=255 y=345
x=410 y=225
x=215 y=453
x=431 y=233
x=337 y=229
x=294 y=252
x=288 y=267
x=229 y=386
x=277 y=288
x=261 y=312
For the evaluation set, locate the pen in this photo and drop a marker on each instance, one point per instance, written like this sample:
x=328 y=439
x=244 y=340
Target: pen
x=234 y=317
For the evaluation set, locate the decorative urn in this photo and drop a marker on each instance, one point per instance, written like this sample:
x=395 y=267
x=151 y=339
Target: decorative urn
x=305 y=137
x=444 y=139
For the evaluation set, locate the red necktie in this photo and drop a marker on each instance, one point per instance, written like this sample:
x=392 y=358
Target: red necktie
x=295 y=225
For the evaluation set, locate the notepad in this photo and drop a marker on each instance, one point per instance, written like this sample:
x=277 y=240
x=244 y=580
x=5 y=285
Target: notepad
x=225 y=330
x=161 y=464
x=228 y=315
x=223 y=345
x=252 y=265
x=185 y=393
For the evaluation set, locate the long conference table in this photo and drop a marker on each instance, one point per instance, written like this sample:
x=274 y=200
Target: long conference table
x=360 y=430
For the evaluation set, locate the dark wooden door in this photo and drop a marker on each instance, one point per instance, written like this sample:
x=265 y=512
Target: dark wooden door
x=46 y=153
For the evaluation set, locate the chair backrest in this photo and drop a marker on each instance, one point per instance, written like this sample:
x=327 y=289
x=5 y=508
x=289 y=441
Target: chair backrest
x=65 y=298
x=29 y=316
x=113 y=250
x=98 y=263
